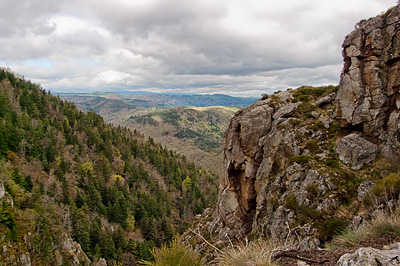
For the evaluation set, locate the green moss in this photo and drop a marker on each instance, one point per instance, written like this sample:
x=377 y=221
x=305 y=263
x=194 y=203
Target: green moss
x=313 y=146
x=304 y=110
x=304 y=93
x=306 y=214
x=291 y=202
x=312 y=189
x=332 y=163
x=294 y=121
x=315 y=126
x=300 y=159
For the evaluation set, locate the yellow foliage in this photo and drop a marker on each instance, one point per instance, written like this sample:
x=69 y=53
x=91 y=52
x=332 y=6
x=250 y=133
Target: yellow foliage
x=87 y=167
x=187 y=182
x=117 y=177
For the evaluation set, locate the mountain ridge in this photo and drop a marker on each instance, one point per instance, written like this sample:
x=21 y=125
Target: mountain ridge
x=170 y=100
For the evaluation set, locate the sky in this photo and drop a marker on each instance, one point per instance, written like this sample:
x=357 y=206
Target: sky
x=234 y=47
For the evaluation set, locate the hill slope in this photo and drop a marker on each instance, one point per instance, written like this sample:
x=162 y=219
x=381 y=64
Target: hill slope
x=195 y=132
x=67 y=176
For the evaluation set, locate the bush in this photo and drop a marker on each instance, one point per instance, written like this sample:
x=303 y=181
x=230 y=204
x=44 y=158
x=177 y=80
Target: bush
x=332 y=227
x=304 y=109
x=291 y=202
x=315 y=92
x=176 y=254
x=385 y=189
x=313 y=146
x=300 y=159
x=388 y=186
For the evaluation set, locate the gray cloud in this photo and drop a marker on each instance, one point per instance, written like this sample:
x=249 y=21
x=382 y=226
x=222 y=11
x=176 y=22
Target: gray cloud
x=234 y=47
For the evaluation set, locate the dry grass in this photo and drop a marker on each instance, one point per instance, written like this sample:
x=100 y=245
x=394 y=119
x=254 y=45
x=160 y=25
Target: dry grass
x=381 y=224
x=174 y=255
x=257 y=253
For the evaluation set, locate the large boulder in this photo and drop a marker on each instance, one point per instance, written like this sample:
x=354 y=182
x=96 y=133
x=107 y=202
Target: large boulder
x=356 y=151
x=371 y=257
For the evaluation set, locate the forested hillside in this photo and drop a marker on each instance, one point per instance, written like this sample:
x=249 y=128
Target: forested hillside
x=66 y=174
x=196 y=132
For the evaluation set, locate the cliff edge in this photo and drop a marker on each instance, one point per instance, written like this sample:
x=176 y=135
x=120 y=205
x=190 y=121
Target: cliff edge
x=299 y=163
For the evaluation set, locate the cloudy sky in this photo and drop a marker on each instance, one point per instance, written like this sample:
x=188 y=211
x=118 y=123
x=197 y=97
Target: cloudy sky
x=235 y=47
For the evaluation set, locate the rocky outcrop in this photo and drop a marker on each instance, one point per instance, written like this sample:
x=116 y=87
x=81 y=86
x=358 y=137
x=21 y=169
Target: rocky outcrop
x=73 y=250
x=368 y=98
x=14 y=255
x=356 y=151
x=292 y=159
x=372 y=256
x=270 y=169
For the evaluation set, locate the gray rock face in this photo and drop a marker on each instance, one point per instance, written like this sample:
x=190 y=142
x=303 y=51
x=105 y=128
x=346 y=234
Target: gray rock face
x=259 y=177
x=369 y=86
x=371 y=257
x=364 y=188
x=281 y=172
x=326 y=100
x=74 y=250
x=2 y=191
x=356 y=151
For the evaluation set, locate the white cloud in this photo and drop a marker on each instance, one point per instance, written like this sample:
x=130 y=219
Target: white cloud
x=233 y=46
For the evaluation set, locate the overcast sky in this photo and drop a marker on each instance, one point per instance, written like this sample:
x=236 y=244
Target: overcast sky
x=235 y=47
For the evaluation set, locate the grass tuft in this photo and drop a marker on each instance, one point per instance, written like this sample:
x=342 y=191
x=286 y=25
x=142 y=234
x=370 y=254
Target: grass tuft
x=380 y=225
x=254 y=253
x=174 y=255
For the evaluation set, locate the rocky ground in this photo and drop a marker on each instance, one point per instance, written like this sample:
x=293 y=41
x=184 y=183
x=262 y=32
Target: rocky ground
x=328 y=257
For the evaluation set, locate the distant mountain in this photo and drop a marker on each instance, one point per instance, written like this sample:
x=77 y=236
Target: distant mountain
x=167 y=100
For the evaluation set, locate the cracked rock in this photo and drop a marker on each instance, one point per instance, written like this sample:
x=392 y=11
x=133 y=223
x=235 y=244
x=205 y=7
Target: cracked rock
x=356 y=151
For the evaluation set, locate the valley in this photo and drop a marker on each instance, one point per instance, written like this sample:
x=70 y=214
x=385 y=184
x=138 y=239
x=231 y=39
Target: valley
x=193 y=131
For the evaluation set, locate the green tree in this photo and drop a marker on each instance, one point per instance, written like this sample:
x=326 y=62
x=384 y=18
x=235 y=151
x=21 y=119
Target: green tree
x=7 y=219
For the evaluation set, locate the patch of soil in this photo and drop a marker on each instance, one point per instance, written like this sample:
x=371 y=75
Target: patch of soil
x=327 y=257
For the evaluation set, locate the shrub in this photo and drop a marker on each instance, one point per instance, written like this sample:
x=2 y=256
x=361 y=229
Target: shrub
x=306 y=214
x=384 y=190
x=176 y=254
x=304 y=109
x=300 y=159
x=332 y=163
x=291 y=202
x=332 y=227
x=388 y=186
x=313 y=146
x=294 y=121
x=312 y=189
x=315 y=92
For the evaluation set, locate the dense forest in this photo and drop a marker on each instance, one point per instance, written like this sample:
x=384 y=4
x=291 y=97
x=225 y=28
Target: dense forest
x=67 y=173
